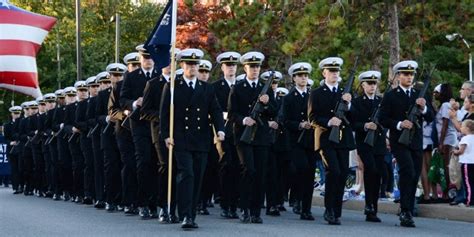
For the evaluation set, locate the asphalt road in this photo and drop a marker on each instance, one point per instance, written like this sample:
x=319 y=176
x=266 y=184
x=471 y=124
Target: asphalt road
x=33 y=216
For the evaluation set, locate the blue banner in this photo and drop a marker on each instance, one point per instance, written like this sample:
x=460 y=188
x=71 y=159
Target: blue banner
x=4 y=165
x=159 y=41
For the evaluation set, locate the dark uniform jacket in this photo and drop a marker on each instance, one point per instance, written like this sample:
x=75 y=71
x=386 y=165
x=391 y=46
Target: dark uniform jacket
x=150 y=110
x=101 y=112
x=58 y=118
x=322 y=103
x=394 y=108
x=222 y=90
x=241 y=102
x=81 y=121
x=70 y=121
x=191 y=115
x=294 y=111
x=362 y=110
x=90 y=114
x=115 y=110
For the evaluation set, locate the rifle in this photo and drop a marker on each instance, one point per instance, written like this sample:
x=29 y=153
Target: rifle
x=36 y=138
x=370 y=137
x=342 y=107
x=107 y=128
x=126 y=122
x=92 y=131
x=249 y=132
x=413 y=113
x=54 y=136
x=72 y=137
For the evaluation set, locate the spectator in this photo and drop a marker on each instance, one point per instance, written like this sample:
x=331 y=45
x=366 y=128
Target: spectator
x=466 y=158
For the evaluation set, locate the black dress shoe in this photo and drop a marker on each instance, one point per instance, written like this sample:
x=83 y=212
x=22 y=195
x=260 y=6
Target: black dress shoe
x=306 y=216
x=369 y=210
x=48 y=194
x=99 y=204
x=187 y=223
x=233 y=214
x=454 y=203
x=281 y=208
x=110 y=207
x=245 y=217
x=256 y=220
x=406 y=220
x=330 y=218
x=173 y=219
x=56 y=197
x=87 y=201
x=297 y=208
x=195 y=225
x=144 y=212
x=78 y=200
x=17 y=192
x=154 y=213
x=163 y=217
x=120 y=208
x=66 y=197
x=130 y=210
x=372 y=218
x=204 y=212
x=225 y=213
x=273 y=211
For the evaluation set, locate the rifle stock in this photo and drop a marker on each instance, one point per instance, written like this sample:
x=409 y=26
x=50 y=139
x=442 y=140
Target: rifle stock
x=92 y=131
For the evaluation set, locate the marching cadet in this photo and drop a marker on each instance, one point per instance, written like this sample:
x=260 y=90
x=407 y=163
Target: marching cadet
x=194 y=101
x=132 y=60
x=272 y=166
x=71 y=128
x=210 y=181
x=52 y=142
x=82 y=125
x=131 y=98
x=229 y=162
x=10 y=130
x=40 y=154
x=95 y=134
x=393 y=111
x=38 y=162
x=108 y=143
x=372 y=156
x=127 y=174
x=322 y=103
x=27 y=132
x=150 y=111
x=65 y=118
x=294 y=112
x=45 y=128
x=254 y=156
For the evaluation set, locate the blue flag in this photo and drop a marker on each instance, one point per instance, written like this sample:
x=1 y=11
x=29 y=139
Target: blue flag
x=159 y=41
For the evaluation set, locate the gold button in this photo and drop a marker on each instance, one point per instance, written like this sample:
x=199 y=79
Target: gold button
x=302 y=113
x=250 y=106
x=185 y=118
x=199 y=127
x=198 y=109
x=332 y=110
x=302 y=120
x=186 y=127
x=187 y=109
x=198 y=118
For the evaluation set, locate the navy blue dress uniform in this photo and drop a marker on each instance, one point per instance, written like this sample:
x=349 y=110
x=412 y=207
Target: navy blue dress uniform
x=194 y=101
x=30 y=150
x=42 y=158
x=125 y=146
x=228 y=170
x=108 y=145
x=10 y=130
x=394 y=109
x=45 y=128
x=53 y=145
x=322 y=103
x=150 y=111
x=372 y=157
x=132 y=89
x=36 y=150
x=253 y=157
x=82 y=123
x=275 y=152
x=303 y=158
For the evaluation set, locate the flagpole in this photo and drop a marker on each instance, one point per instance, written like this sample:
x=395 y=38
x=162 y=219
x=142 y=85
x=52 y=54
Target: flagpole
x=172 y=81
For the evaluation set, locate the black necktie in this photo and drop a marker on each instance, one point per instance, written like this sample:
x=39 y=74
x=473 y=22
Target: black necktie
x=147 y=75
x=254 y=85
x=191 y=85
x=408 y=93
x=334 y=90
x=304 y=94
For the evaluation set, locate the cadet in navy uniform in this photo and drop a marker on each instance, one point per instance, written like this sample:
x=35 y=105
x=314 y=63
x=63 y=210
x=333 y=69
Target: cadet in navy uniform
x=229 y=163
x=45 y=128
x=52 y=128
x=294 y=111
x=322 y=103
x=253 y=157
x=150 y=111
x=82 y=124
x=362 y=110
x=131 y=98
x=394 y=109
x=10 y=130
x=194 y=101
x=124 y=140
x=42 y=153
x=108 y=145
x=38 y=162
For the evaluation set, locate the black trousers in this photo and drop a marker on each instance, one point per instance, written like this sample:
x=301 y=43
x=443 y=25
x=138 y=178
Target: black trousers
x=337 y=169
x=47 y=168
x=252 y=176
x=39 y=175
x=88 y=154
x=65 y=161
x=271 y=184
x=374 y=170
x=112 y=171
x=129 y=167
x=409 y=163
x=77 y=166
x=98 y=168
x=15 y=176
x=210 y=183
x=55 y=168
x=190 y=167
x=229 y=176
x=27 y=169
x=147 y=174
x=163 y=153
x=304 y=161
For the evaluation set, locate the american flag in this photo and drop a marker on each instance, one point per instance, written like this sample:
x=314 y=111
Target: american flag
x=21 y=35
